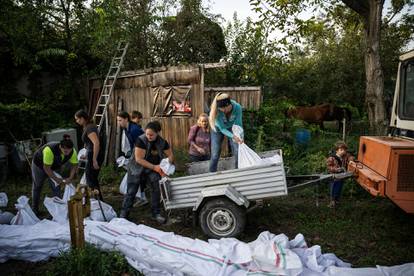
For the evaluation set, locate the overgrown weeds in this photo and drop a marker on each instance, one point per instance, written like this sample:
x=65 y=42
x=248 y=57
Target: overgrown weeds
x=91 y=261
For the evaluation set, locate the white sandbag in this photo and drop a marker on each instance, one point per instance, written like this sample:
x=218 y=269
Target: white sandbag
x=398 y=270
x=96 y=212
x=3 y=200
x=5 y=217
x=83 y=179
x=125 y=146
x=122 y=161
x=58 y=208
x=123 y=187
x=25 y=215
x=70 y=190
x=276 y=159
x=33 y=243
x=82 y=154
x=247 y=157
x=167 y=167
x=155 y=252
x=272 y=253
x=58 y=176
x=238 y=131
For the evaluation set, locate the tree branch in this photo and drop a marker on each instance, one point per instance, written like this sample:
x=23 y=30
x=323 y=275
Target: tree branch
x=359 y=6
x=397 y=11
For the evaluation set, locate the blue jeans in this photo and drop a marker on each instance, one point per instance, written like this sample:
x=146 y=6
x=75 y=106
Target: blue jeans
x=134 y=182
x=336 y=189
x=216 y=141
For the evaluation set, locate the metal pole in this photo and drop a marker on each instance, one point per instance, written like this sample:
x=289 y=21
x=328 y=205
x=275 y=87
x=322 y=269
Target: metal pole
x=343 y=128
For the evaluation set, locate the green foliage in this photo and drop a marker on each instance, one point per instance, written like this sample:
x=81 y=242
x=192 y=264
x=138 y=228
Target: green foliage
x=110 y=175
x=191 y=36
x=28 y=119
x=91 y=261
x=181 y=158
x=269 y=129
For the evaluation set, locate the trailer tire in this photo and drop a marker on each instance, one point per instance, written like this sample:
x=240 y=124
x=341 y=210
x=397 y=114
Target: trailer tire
x=221 y=218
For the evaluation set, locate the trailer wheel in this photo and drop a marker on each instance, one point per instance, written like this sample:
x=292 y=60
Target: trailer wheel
x=220 y=218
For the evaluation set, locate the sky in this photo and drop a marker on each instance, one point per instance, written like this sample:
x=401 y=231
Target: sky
x=227 y=8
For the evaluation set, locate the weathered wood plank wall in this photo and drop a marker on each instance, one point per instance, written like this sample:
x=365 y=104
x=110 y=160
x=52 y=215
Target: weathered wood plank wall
x=250 y=97
x=135 y=88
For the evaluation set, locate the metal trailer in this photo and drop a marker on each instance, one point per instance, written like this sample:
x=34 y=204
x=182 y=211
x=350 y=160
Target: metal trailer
x=220 y=200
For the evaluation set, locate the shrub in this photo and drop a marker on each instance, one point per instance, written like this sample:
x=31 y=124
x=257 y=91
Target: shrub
x=91 y=261
x=110 y=174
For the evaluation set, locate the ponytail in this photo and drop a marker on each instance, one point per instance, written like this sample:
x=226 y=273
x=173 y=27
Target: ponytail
x=213 y=109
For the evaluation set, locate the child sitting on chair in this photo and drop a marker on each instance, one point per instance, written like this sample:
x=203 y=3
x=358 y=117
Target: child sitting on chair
x=337 y=162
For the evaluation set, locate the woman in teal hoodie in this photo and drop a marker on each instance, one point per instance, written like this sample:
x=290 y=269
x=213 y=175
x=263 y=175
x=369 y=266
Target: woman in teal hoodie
x=224 y=113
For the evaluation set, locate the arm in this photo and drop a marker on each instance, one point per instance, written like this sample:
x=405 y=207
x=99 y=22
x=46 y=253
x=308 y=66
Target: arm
x=95 y=141
x=49 y=172
x=140 y=158
x=191 y=136
x=191 y=139
x=170 y=155
x=220 y=126
x=48 y=159
x=332 y=165
x=73 y=170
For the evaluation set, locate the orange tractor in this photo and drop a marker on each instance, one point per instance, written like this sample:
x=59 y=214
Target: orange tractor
x=385 y=165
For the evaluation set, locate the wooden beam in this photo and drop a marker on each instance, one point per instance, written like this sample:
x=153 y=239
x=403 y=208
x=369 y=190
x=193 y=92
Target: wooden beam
x=118 y=131
x=234 y=88
x=214 y=65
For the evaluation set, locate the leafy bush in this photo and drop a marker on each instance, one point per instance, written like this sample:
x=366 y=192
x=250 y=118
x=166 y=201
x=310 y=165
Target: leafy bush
x=110 y=174
x=28 y=119
x=91 y=261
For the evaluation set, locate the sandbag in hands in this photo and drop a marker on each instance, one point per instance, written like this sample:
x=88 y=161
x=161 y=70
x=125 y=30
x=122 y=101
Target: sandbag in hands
x=248 y=157
x=238 y=134
x=167 y=167
x=60 y=177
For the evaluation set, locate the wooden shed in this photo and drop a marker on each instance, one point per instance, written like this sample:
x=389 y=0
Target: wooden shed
x=173 y=95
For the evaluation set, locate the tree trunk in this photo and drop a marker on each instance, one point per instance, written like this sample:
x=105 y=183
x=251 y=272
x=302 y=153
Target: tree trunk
x=374 y=93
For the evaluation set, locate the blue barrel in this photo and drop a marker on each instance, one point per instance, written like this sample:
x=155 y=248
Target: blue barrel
x=303 y=136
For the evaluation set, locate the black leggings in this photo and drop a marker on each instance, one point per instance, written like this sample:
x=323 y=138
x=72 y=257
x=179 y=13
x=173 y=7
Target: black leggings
x=92 y=174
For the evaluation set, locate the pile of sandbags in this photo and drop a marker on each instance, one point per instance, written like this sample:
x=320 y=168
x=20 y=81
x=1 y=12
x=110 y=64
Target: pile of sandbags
x=154 y=252
x=35 y=242
x=5 y=217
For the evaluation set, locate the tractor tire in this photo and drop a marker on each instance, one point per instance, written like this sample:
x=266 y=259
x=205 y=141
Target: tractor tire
x=222 y=218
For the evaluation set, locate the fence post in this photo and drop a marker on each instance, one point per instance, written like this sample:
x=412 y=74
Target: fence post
x=343 y=128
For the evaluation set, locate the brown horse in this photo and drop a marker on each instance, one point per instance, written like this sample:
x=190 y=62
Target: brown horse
x=320 y=113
